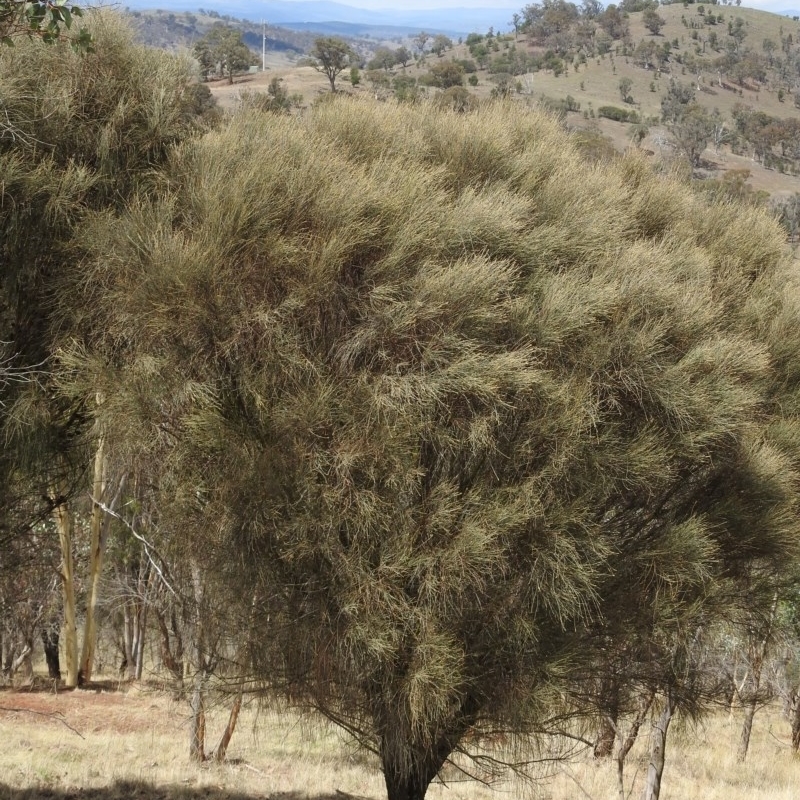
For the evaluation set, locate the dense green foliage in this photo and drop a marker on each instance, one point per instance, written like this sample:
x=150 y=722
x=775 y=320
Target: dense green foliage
x=43 y=19
x=222 y=50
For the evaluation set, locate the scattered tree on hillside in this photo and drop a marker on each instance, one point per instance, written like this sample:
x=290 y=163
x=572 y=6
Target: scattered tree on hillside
x=332 y=55
x=440 y=44
x=516 y=21
x=402 y=56
x=384 y=58
x=737 y=32
x=446 y=74
x=222 y=50
x=693 y=130
x=653 y=21
x=420 y=40
x=613 y=22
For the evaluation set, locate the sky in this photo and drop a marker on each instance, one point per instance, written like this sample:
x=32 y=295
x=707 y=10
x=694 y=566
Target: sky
x=776 y=6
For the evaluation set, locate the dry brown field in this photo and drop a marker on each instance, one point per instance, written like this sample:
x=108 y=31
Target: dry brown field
x=117 y=742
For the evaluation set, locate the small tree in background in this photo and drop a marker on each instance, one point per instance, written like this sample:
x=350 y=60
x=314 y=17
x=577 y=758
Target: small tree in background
x=402 y=56
x=440 y=44
x=332 y=55
x=420 y=41
x=653 y=21
x=223 y=50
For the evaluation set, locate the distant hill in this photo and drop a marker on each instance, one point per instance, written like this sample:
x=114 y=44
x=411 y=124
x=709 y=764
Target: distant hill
x=169 y=30
x=325 y=14
x=360 y=30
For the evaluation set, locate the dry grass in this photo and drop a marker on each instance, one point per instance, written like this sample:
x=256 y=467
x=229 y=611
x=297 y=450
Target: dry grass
x=135 y=743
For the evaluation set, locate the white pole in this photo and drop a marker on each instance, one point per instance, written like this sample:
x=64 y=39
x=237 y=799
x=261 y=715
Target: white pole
x=263 y=46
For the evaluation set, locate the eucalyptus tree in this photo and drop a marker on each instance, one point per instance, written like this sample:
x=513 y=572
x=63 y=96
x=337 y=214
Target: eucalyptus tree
x=443 y=398
x=331 y=55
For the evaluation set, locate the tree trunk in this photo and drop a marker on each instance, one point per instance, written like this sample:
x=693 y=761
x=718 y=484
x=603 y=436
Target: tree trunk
x=128 y=658
x=99 y=525
x=24 y=660
x=63 y=519
x=50 y=635
x=171 y=647
x=95 y=563
x=747 y=728
x=410 y=781
x=606 y=736
x=795 y=719
x=146 y=575
x=198 y=727
x=625 y=745
x=197 y=733
x=658 y=745
x=142 y=629
x=409 y=766
x=758 y=651
x=222 y=747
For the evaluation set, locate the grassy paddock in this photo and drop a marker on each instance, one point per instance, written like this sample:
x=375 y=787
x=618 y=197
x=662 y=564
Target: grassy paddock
x=122 y=743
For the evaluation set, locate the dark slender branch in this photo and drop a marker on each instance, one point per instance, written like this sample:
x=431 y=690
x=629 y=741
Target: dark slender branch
x=56 y=715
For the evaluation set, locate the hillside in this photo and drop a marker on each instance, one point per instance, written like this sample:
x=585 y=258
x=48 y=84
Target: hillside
x=175 y=31
x=739 y=66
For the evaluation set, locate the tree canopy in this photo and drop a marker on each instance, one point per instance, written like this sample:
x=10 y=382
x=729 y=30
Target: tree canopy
x=458 y=406
x=222 y=48
x=331 y=55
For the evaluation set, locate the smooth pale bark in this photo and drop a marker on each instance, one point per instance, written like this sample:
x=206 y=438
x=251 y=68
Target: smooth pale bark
x=134 y=612
x=145 y=585
x=658 y=746
x=197 y=731
x=758 y=651
x=63 y=519
x=99 y=526
x=198 y=724
x=23 y=661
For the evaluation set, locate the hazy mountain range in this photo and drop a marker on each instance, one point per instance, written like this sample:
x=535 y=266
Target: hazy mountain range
x=312 y=14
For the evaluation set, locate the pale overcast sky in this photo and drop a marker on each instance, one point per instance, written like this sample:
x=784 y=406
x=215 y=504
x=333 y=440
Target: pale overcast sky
x=776 y=6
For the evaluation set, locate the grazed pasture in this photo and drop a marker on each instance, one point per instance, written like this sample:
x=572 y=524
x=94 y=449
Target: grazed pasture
x=114 y=742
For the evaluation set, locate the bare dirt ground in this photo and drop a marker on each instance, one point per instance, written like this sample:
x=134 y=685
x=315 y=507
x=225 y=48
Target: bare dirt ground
x=302 y=80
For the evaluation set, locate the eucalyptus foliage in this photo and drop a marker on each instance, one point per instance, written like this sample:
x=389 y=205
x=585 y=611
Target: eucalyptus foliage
x=43 y=19
x=442 y=394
